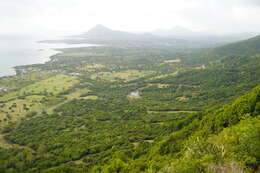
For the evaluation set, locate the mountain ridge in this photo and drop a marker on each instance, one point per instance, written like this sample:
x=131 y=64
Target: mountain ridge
x=100 y=32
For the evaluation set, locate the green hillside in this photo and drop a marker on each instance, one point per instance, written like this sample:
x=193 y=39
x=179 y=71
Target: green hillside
x=225 y=138
x=218 y=74
x=221 y=138
x=246 y=47
x=134 y=110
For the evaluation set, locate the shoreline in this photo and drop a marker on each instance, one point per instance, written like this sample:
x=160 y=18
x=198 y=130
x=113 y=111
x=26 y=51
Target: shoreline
x=16 y=70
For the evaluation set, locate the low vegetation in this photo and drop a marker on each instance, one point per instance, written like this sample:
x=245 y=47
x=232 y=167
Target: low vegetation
x=133 y=110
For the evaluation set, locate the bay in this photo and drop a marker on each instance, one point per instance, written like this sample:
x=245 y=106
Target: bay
x=20 y=50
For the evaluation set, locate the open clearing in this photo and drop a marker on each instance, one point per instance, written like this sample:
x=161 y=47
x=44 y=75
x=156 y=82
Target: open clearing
x=23 y=80
x=36 y=97
x=127 y=75
x=165 y=75
x=53 y=85
x=91 y=67
x=80 y=54
x=180 y=111
x=172 y=61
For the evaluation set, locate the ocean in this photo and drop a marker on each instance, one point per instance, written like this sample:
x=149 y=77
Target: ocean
x=21 y=50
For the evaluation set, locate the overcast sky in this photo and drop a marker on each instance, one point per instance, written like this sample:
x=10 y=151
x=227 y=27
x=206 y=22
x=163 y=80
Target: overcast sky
x=69 y=16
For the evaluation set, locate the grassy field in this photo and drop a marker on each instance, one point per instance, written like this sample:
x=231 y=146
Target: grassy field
x=127 y=75
x=23 y=80
x=80 y=94
x=91 y=67
x=37 y=97
x=172 y=61
x=81 y=54
x=3 y=142
x=53 y=85
x=166 y=75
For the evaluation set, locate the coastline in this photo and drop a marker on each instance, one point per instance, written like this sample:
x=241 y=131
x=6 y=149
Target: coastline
x=51 y=50
x=18 y=70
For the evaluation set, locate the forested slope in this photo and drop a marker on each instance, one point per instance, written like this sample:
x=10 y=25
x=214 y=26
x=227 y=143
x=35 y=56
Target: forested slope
x=133 y=110
x=224 y=139
x=220 y=73
x=246 y=47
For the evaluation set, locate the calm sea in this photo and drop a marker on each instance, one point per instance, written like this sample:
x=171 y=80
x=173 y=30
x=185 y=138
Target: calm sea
x=18 y=50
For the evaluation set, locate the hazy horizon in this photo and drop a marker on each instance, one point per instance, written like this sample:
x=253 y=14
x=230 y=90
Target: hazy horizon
x=64 y=17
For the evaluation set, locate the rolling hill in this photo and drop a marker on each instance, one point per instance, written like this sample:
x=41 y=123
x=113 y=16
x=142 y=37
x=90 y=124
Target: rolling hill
x=246 y=47
x=202 y=37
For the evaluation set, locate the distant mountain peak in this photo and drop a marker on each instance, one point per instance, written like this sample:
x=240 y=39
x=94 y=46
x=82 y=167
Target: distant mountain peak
x=99 y=28
x=100 y=32
x=181 y=29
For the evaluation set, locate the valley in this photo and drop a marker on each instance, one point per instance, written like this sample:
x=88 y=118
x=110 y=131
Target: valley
x=110 y=109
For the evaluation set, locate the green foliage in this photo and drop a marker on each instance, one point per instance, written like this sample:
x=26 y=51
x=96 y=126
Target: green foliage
x=183 y=120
